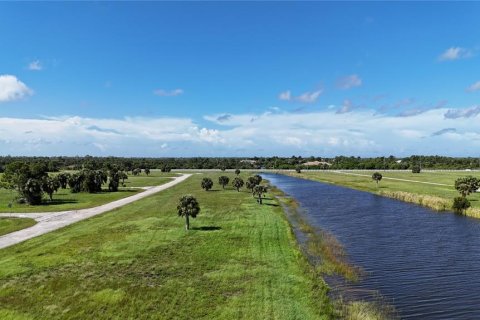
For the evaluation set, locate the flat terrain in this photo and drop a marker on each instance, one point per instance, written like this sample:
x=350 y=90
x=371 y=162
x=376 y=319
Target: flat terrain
x=239 y=261
x=8 y=225
x=65 y=200
x=438 y=183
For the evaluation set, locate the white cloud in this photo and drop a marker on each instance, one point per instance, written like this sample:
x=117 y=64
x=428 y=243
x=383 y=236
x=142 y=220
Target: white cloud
x=13 y=89
x=168 y=93
x=350 y=81
x=306 y=97
x=286 y=95
x=309 y=97
x=455 y=53
x=474 y=87
x=35 y=65
x=346 y=106
x=359 y=132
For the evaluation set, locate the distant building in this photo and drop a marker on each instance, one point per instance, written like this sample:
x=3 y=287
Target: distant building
x=248 y=161
x=316 y=164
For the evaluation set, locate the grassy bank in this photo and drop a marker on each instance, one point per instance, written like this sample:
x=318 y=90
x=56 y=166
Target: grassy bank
x=437 y=197
x=8 y=225
x=63 y=199
x=240 y=261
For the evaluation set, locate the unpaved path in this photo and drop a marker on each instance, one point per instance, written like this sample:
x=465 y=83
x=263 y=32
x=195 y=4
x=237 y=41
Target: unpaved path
x=397 y=179
x=50 y=221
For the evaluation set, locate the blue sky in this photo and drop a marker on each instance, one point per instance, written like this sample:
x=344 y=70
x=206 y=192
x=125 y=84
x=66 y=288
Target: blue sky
x=240 y=79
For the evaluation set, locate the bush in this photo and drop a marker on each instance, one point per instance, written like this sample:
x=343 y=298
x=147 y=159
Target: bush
x=416 y=169
x=460 y=204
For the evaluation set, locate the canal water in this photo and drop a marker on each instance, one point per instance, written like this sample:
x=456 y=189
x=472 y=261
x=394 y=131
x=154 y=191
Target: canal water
x=425 y=263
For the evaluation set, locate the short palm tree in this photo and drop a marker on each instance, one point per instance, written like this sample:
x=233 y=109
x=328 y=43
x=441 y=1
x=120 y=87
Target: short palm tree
x=188 y=207
x=238 y=183
x=207 y=184
x=259 y=191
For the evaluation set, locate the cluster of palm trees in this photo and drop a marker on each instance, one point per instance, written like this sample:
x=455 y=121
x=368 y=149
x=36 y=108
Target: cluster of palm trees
x=188 y=205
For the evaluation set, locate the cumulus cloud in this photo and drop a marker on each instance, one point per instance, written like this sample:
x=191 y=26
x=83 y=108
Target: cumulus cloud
x=12 y=89
x=474 y=87
x=455 y=53
x=306 y=97
x=326 y=132
x=168 y=93
x=349 y=81
x=35 y=65
x=463 y=113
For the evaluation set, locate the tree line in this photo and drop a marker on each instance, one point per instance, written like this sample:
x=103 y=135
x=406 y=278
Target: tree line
x=340 y=162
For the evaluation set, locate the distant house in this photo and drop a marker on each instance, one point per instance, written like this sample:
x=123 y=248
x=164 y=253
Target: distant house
x=248 y=161
x=316 y=164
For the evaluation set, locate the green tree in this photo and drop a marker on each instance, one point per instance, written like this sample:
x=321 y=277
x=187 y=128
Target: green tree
x=377 y=176
x=114 y=176
x=223 y=181
x=257 y=178
x=467 y=185
x=259 y=191
x=188 y=207
x=123 y=175
x=298 y=169
x=460 y=204
x=416 y=169
x=237 y=171
x=136 y=171
x=237 y=183
x=63 y=179
x=50 y=185
x=207 y=184
x=147 y=171
x=27 y=179
x=32 y=191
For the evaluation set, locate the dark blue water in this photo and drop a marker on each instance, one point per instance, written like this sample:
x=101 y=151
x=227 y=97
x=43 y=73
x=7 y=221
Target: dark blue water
x=427 y=264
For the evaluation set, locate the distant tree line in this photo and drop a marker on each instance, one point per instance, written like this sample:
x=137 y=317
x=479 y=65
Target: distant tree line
x=414 y=162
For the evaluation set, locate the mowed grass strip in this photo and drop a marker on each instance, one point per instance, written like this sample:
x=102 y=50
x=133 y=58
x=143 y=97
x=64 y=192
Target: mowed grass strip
x=239 y=261
x=8 y=225
x=386 y=185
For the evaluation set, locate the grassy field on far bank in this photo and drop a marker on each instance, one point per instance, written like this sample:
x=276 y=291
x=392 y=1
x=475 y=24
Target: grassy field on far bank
x=240 y=261
x=63 y=199
x=366 y=183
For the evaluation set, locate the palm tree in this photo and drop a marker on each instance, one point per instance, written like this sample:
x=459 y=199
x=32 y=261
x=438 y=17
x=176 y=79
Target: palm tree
x=259 y=191
x=377 y=176
x=207 y=184
x=250 y=185
x=238 y=183
x=223 y=181
x=237 y=171
x=188 y=207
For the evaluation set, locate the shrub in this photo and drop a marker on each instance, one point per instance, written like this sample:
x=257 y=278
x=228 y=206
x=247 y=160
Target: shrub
x=460 y=204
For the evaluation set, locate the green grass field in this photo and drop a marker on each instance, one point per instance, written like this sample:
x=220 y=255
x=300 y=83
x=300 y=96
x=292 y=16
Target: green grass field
x=65 y=200
x=8 y=225
x=367 y=184
x=240 y=261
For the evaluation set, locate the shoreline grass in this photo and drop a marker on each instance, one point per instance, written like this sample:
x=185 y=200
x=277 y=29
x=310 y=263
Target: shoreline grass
x=325 y=254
